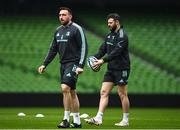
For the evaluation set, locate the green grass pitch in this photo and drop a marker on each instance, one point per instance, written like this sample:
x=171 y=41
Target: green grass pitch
x=140 y=118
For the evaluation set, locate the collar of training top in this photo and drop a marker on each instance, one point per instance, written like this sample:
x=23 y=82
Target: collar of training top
x=68 y=25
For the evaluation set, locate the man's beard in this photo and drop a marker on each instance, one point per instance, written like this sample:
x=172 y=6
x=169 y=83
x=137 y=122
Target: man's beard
x=64 y=23
x=113 y=28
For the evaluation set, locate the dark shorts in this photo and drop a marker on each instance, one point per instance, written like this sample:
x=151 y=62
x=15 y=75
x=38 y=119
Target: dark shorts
x=119 y=77
x=68 y=75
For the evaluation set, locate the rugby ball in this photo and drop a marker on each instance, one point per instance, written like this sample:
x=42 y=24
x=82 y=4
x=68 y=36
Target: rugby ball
x=90 y=63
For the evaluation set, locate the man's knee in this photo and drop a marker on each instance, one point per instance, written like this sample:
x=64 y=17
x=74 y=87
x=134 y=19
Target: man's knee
x=73 y=93
x=122 y=94
x=104 y=93
x=65 y=88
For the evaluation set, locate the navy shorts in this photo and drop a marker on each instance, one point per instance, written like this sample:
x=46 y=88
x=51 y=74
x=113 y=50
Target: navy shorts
x=118 y=77
x=68 y=75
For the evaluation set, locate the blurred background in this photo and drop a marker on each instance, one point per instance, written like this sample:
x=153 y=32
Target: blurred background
x=27 y=28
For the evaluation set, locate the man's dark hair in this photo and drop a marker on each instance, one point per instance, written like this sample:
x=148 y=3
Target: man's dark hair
x=114 y=16
x=66 y=8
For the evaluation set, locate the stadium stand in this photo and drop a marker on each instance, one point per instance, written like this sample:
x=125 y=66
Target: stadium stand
x=24 y=42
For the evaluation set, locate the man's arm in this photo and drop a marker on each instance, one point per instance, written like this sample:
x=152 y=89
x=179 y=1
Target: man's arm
x=51 y=53
x=102 y=51
x=81 y=39
x=50 y=56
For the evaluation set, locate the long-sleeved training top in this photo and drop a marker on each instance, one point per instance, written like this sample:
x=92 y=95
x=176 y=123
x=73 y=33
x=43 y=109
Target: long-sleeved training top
x=116 y=48
x=71 y=44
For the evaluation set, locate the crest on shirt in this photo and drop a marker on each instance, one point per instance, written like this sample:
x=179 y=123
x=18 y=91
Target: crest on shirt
x=68 y=33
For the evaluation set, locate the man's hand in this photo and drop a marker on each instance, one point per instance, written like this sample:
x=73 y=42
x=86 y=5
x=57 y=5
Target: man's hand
x=79 y=70
x=98 y=63
x=41 y=69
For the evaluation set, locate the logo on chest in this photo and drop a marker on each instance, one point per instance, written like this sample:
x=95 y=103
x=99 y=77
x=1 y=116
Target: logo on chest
x=110 y=40
x=63 y=37
x=111 y=37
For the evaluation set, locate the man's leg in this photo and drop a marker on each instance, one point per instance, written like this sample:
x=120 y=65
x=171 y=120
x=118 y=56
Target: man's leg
x=67 y=105
x=122 y=92
x=66 y=98
x=75 y=107
x=104 y=99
